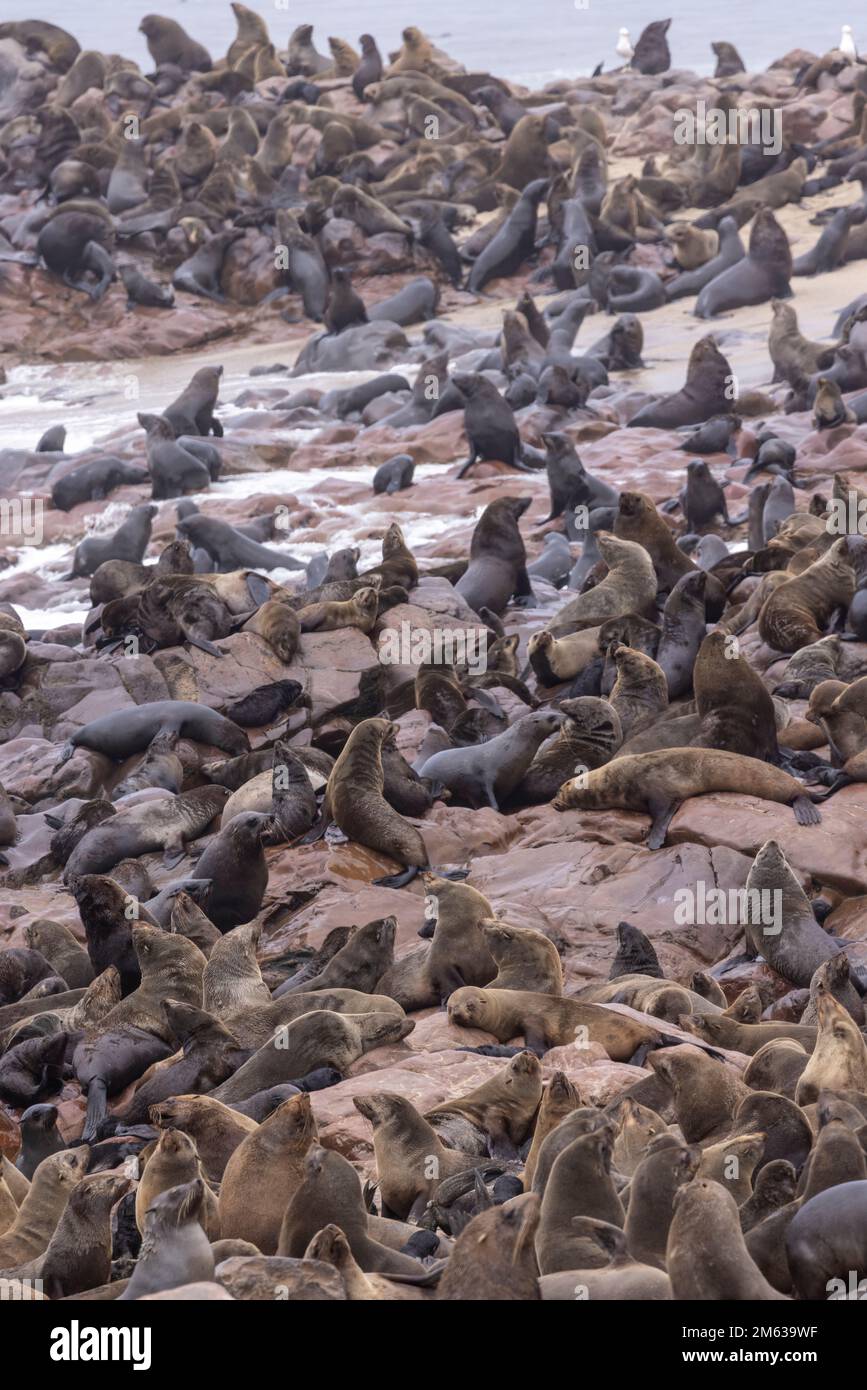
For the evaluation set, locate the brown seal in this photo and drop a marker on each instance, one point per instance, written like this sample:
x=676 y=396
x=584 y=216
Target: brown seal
x=42 y=1207
x=706 y=1094
x=557 y=659
x=78 y=1257
x=579 y=1184
x=640 y=692
x=232 y=981
x=839 y=1060
x=623 y=1278
x=692 y=246
x=792 y=354
x=559 y=1099
x=358 y=965
x=774 y=1188
x=168 y=43
x=657 y=783
x=458 y=953
x=777 y=1066
x=638 y=1126
x=411 y=1161
x=330 y=1190
x=525 y=959
x=501 y=1109
x=732 y=1162
x=629 y=587
x=797 y=613
x=659 y=1176
x=270 y=1164
x=801 y=946
x=706 y=392
x=495 y=1257
x=64 y=952
x=320 y=1038
x=589 y=736
x=707 y=1255
x=736 y=708
x=359 y=611
x=546 y=1022
x=216 y=1129
x=355 y=801
x=497 y=570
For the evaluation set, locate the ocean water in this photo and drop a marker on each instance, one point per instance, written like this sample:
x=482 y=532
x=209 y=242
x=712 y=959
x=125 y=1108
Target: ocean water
x=529 y=43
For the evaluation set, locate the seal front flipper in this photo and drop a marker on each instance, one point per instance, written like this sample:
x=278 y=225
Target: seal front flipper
x=173 y=855
x=662 y=812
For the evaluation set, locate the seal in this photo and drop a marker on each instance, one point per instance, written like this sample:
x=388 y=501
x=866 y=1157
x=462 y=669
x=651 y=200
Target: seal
x=651 y=54
x=706 y=392
x=90 y=481
x=345 y=308
x=579 y=1185
x=78 y=1257
x=497 y=1115
x=354 y=799
x=457 y=955
x=129 y=542
x=515 y=241
x=705 y=1093
x=802 y=946
x=707 y=1256
x=193 y=411
x=168 y=44
x=488 y=773
x=175 y=1250
x=826 y=1240
x=411 y=1161
x=71 y=246
x=525 y=959
x=234 y=863
x=130 y=731
x=42 y=1206
x=172 y=1163
x=210 y=1054
x=731 y=250
x=763 y=274
x=270 y=1161
x=629 y=587
x=166 y=824
x=494 y=1258
x=39 y=1138
x=330 y=1186
x=358 y=965
x=796 y=613
x=547 y=1022
x=320 y=1038
x=736 y=708
x=497 y=570
x=640 y=691
x=839 y=1060
x=659 y=1175
x=683 y=631
x=201 y=273
x=216 y=1129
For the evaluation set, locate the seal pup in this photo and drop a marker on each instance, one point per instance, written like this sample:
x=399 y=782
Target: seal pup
x=494 y=1258
x=488 y=773
x=175 y=1249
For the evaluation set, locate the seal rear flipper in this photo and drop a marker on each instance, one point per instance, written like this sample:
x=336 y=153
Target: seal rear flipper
x=805 y=812
x=493 y=1050
x=397 y=880
x=465 y=467
x=454 y=875
x=203 y=645
x=836 y=784
x=318 y=828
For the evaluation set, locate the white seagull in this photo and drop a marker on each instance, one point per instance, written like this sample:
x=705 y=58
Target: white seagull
x=847 y=44
x=624 y=48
